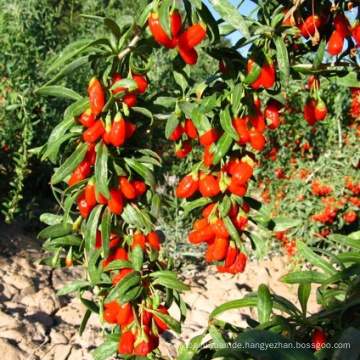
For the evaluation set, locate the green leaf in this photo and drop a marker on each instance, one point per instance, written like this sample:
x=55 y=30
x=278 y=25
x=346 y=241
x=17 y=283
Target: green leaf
x=155 y=206
x=197 y=3
x=118 y=264
x=217 y=337
x=235 y=304
x=264 y=303
x=168 y=320
x=69 y=240
x=91 y=228
x=50 y=219
x=91 y=305
x=70 y=163
x=130 y=84
x=222 y=147
x=347 y=79
x=282 y=224
x=93 y=270
x=84 y=321
x=136 y=257
x=226 y=124
x=232 y=231
x=58 y=91
x=142 y=170
x=282 y=61
x=105 y=231
x=225 y=206
x=303 y=295
x=188 y=206
x=130 y=280
x=101 y=169
x=72 y=287
x=164 y=17
x=170 y=282
x=53 y=147
x=110 y=24
x=212 y=27
x=314 y=259
x=67 y=55
x=299 y=277
x=55 y=231
x=136 y=217
x=342 y=275
x=231 y=15
x=180 y=79
x=320 y=54
x=69 y=69
x=105 y=350
x=259 y=243
x=345 y=240
x=171 y=123
x=145 y=112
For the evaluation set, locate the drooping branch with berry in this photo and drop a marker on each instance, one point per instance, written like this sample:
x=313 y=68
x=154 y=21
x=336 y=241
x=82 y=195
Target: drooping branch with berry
x=105 y=181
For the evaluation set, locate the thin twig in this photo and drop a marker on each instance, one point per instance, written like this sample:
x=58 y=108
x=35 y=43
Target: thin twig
x=339 y=132
x=132 y=43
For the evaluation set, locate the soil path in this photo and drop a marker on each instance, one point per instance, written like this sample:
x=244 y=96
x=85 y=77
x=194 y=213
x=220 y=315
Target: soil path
x=35 y=324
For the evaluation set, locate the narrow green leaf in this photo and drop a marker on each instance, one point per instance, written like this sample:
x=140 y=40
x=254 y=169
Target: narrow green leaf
x=91 y=228
x=226 y=124
x=314 y=259
x=171 y=283
x=188 y=206
x=65 y=56
x=217 y=337
x=222 y=147
x=282 y=224
x=164 y=16
x=142 y=170
x=69 y=240
x=303 y=295
x=52 y=148
x=130 y=280
x=171 y=123
x=118 y=264
x=320 y=54
x=232 y=231
x=282 y=61
x=309 y=276
x=105 y=350
x=264 y=303
x=231 y=15
x=55 y=231
x=72 y=287
x=105 y=231
x=69 y=69
x=235 y=304
x=168 y=320
x=93 y=270
x=136 y=257
x=70 y=163
x=155 y=206
x=84 y=321
x=58 y=91
x=101 y=169
x=50 y=219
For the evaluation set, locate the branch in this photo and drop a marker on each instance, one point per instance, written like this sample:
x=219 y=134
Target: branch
x=131 y=45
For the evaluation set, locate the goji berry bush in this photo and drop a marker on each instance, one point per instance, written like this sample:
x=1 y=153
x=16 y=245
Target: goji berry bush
x=105 y=181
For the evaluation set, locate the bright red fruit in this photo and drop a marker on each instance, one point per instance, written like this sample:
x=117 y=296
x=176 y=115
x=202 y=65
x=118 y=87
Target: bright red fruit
x=96 y=96
x=158 y=32
x=318 y=339
x=187 y=186
x=335 y=44
x=342 y=25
